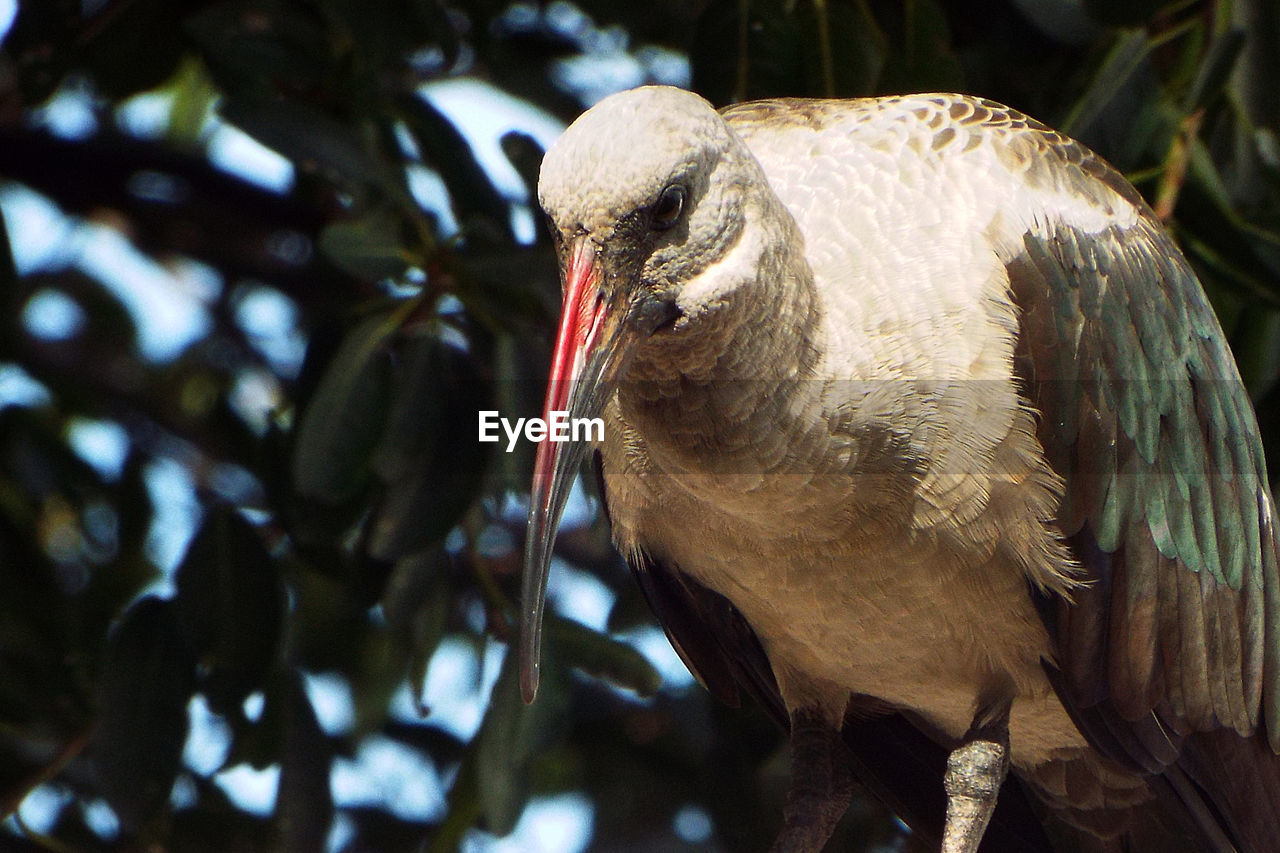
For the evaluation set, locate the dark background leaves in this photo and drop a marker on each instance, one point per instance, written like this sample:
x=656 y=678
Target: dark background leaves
x=351 y=526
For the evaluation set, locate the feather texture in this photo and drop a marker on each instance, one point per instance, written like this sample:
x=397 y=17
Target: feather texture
x=944 y=417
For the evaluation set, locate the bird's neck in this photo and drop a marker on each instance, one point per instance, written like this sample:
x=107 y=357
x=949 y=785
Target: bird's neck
x=743 y=367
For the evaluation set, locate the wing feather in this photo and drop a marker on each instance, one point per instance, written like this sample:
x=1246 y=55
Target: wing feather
x=1166 y=508
x=1144 y=416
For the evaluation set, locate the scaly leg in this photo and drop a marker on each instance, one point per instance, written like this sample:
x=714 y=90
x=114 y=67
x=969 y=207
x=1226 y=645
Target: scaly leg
x=821 y=785
x=975 y=772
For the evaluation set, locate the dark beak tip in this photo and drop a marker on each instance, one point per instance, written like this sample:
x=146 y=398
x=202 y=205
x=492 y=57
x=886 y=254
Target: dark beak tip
x=529 y=682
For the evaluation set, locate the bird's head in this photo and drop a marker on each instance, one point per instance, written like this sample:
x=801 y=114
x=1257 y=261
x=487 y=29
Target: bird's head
x=643 y=194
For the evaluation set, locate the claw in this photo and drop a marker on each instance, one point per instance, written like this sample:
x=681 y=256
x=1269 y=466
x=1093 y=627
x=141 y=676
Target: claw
x=975 y=772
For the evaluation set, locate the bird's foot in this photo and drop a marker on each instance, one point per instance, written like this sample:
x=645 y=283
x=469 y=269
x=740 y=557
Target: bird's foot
x=821 y=785
x=975 y=772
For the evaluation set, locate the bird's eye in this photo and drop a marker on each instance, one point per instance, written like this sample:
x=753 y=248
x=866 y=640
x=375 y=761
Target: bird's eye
x=667 y=209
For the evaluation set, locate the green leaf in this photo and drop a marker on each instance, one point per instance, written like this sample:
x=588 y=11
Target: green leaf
x=304 y=804
x=416 y=604
x=857 y=49
x=1224 y=226
x=1123 y=13
x=526 y=155
x=417 y=601
x=132 y=47
x=143 y=691
x=39 y=42
x=1215 y=69
x=926 y=61
x=603 y=657
x=230 y=601
x=511 y=737
x=1128 y=52
x=384 y=33
x=371 y=248
x=343 y=420
x=313 y=140
x=430 y=457
x=521 y=367
x=263 y=48
x=762 y=57
x=493 y=783
x=9 y=293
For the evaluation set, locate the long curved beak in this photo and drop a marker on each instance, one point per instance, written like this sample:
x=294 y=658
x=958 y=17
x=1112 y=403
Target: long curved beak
x=584 y=371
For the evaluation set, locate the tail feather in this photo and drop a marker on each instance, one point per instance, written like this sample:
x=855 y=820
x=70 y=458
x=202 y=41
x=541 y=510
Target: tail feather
x=1238 y=779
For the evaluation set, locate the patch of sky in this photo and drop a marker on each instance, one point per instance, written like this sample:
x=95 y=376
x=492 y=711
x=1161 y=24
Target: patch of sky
x=168 y=310
x=158 y=187
x=458 y=99
x=568 y=20
x=253 y=705
x=666 y=66
x=430 y=192
x=8 y=11
x=100 y=818
x=177 y=514
x=38 y=232
x=517 y=17
x=52 y=315
x=450 y=305
x=653 y=644
x=579 y=511
x=249 y=789
x=166 y=304
x=332 y=702
x=456 y=690
x=385 y=775
x=254 y=396
x=70 y=113
x=455 y=540
x=606 y=62
x=208 y=738
x=185 y=794
x=692 y=824
x=591 y=77
x=235 y=151
x=425 y=183
x=495 y=542
x=227 y=147
x=102 y=444
x=145 y=115
x=559 y=824
x=101 y=540
x=233 y=483
x=523 y=223
x=408 y=145
x=269 y=320
x=41 y=807
x=341 y=833
x=17 y=388
x=453 y=337
x=475 y=615
x=580 y=596
x=483 y=114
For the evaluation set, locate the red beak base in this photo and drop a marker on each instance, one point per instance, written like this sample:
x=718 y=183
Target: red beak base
x=573 y=387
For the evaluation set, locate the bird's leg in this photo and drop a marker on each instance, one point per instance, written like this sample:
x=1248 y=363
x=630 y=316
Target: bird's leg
x=821 y=784
x=975 y=772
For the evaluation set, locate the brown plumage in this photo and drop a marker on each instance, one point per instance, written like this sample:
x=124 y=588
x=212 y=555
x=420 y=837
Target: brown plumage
x=920 y=430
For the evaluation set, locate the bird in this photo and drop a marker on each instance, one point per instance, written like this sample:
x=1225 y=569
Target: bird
x=920 y=430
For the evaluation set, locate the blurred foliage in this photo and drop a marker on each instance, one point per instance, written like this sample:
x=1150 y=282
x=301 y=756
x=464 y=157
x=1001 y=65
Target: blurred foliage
x=348 y=521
